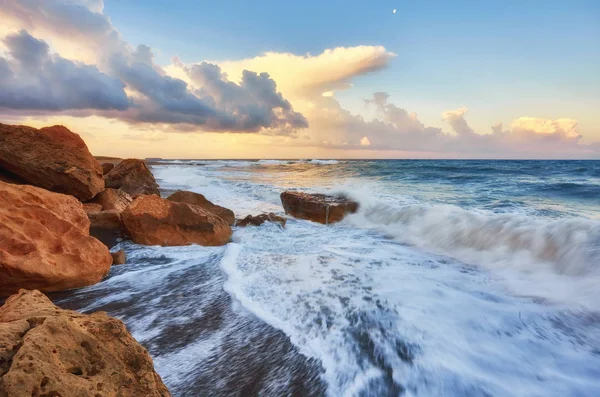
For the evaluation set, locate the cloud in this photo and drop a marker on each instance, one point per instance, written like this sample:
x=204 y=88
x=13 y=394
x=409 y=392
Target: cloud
x=216 y=104
x=34 y=79
x=249 y=95
x=456 y=119
x=309 y=75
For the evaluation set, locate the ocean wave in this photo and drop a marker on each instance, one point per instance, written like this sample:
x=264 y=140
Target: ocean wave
x=324 y=162
x=569 y=246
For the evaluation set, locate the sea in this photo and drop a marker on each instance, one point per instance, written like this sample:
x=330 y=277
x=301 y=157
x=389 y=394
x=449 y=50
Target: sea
x=455 y=278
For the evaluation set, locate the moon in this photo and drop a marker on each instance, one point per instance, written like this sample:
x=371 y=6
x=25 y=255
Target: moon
x=394 y=11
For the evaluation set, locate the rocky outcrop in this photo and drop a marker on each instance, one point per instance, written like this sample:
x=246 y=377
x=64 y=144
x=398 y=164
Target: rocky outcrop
x=107 y=227
x=260 y=219
x=113 y=199
x=317 y=207
x=107 y=167
x=181 y=196
x=53 y=158
x=133 y=177
x=119 y=257
x=151 y=220
x=48 y=351
x=45 y=242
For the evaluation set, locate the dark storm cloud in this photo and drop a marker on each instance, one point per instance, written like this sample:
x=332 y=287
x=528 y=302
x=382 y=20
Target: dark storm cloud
x=34 y=79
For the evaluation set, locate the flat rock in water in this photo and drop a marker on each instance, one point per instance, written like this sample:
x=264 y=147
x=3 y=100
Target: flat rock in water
x=48 y=351
x=260 y=219
x=133 y=177
x=53 y=158
x=151 y=220
x=181 y=196
x=45 y=242
x=317 y=207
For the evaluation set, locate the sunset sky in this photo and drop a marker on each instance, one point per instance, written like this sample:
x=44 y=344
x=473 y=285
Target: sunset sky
x=307 y=79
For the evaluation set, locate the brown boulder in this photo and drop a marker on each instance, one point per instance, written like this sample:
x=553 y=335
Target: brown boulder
x=45 y=242
x=181 y=196
x=107 y=167
x=317 y=207
x=133 y=177
x=119 y=257
x=91 y=207
x=151 y=220
x=52 y=157
x=48 y=351
x=107 y=227
x=260 y=219
x=113 y=199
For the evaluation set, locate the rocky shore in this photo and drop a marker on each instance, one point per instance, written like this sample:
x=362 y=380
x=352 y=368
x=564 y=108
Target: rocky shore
x=61 y=211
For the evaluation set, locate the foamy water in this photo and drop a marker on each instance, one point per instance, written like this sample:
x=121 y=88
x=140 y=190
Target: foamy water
x=453 y=279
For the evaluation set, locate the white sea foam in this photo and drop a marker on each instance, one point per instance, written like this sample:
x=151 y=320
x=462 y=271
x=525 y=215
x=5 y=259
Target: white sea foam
x=554 y=259
x=439 y=299
x=324 y=162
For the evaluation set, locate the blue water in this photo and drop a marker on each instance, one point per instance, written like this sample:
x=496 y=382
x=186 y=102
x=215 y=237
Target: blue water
x=455 y=278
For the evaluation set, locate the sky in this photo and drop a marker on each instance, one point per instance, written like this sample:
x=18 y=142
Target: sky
x=310 y=79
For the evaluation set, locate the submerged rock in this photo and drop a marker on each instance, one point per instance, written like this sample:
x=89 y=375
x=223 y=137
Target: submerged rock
x=133 y=177
x=53 y=158
x=119 y=257
x=260 y=219
x=181 y=196
x=45 y=242
x=113 y=199
x=151 y=220
x=317 y=207
x=48 y=351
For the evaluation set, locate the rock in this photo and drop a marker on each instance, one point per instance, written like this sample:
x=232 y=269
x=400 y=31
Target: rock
x=48 y=351
x=107 y=227
x=181 y=196
x=260 y=219
x=45 y=242
x=107 y=167
x=91 y=208
x=113 y=199
x=53 y=158
x=119 y=257
x=151 y=220
x=317 y=207
x=133 y=177
x=8 y=177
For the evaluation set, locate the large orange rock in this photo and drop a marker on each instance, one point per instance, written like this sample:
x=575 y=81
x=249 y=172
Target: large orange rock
x=133 y=177
x=113 y=199
x=48 y=351
x=45 y=242
x=317 y=207
x=151 y=220
x=181 y=196
x=52 y=157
